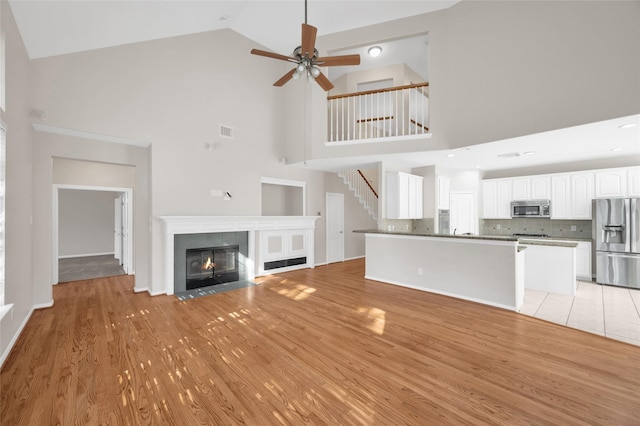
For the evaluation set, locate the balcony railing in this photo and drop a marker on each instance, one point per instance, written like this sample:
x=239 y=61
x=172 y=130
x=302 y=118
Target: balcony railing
x=396 y=111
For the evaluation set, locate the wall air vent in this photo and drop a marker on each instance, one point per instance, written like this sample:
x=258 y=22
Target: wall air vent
x=226 y=131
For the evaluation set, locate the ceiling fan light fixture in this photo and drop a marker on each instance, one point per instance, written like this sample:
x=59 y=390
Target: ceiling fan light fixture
x=315 y=71
x=374 y=51
x=301 y=67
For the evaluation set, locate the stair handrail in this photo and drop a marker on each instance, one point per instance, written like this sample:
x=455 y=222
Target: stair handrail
x=371 y=92
x=368 y=184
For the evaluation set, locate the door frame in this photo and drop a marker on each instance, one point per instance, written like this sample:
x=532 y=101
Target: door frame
x=127 y=193
x=341 y=195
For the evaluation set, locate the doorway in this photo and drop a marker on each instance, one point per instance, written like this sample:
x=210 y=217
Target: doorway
x=91 y=253
x=335 y=227
x=463 y=213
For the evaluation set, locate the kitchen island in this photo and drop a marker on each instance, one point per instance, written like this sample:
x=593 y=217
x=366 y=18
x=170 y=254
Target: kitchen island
x=485 y=269
x=550 y=265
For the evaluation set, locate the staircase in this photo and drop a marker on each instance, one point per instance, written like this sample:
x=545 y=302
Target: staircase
x=362 y=189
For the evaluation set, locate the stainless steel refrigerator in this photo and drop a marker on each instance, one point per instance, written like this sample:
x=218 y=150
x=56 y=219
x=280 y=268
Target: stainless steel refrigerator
x=618 y=241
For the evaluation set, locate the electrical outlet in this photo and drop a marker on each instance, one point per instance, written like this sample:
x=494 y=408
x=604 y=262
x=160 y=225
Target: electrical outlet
x=420 y=271
x=573 y=227
x=498 y=226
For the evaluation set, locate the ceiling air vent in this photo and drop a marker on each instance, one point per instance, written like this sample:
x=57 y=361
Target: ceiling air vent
x=509 y=155
x=226 y=131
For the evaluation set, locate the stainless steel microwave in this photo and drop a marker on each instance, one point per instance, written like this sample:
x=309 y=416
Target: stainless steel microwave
x=531 y=208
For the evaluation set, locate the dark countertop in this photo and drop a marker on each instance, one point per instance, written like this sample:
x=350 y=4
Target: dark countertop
x=418 y=234
x=548 y=242
x=543 y=241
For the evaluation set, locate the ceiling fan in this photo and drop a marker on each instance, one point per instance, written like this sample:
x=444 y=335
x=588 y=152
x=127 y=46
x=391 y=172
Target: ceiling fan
x=307 y=60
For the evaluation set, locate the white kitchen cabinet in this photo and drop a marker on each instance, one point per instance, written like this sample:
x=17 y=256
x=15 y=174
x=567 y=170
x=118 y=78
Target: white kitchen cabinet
x=531 y=188
x=404 y=196
x=443 y=191
x=582 y=195
x=583 y=260
x=611 y=183
x=571 y=195
x=560 y=196
x=633 y=181
x=496 y=199
x=489 y=197
x=541 y=187
x=521 y=188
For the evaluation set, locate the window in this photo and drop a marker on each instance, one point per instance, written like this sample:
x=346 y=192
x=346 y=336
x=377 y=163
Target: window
x=2 y=73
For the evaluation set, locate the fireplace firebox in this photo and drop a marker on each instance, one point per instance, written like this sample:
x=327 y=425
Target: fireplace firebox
x=211 y=266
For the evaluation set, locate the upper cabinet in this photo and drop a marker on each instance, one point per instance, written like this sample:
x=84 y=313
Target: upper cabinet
x=404 y=196
x=496 y=199
x=561 y=197
x=571 y=195
x=443 y=191
x=581 y=195
x=541 y=187
x=531 y=188
x=521 y=188
x=612 y=183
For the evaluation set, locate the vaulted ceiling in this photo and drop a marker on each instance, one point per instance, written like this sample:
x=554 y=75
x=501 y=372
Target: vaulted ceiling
x=55 y=27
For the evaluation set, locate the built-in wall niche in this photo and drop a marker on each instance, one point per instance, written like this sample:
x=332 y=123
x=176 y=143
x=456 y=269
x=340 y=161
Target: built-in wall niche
x=282 y=197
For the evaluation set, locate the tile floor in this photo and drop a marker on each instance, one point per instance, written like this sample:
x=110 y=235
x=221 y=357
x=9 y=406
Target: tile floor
x=609 y=311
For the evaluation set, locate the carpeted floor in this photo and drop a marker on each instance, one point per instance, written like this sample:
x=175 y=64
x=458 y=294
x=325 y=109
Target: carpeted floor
x=85 y=268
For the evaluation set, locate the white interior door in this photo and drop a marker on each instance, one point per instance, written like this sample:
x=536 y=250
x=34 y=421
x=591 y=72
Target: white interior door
x=127 y=232
x=463 y=213
x=117 y=228
x=335 y=227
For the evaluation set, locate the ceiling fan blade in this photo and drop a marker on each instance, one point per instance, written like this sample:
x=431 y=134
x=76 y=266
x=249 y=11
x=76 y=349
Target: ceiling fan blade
x=324 y=82
x=332 y=61
x=288 y=76
x=308 y=39
x=270 y=55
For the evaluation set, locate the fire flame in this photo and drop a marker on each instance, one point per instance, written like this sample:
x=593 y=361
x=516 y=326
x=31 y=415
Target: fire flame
x=209 y=264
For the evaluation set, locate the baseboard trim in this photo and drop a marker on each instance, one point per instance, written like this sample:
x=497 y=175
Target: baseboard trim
x=13 y=341
x=71 y=256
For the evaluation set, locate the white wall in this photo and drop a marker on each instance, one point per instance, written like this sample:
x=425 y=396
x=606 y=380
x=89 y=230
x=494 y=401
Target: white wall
x=502 y=69
x=52 y=147
x=19 y=183
x=173 y=94
x=86 y=222
x=67 y=171
x=281 y=200
x=355 y=218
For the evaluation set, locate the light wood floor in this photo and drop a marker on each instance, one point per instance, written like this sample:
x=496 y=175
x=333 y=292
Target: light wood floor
x=321 y=346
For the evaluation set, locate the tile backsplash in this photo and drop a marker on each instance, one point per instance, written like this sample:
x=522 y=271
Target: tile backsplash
x=554 y=228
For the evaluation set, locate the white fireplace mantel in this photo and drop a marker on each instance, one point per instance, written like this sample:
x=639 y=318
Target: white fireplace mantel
x=173 y=225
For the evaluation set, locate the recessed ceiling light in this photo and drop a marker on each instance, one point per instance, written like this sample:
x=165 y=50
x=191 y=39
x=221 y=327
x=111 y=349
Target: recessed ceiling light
x=627 y=126
x=478 y=167
x=528 y=153
x=374 y=51
x=451 y=155
x=615 y=149
x=224 y=18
